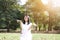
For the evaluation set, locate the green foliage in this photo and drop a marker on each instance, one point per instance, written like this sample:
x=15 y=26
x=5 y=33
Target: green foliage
x=9 y=13
x=36 y=36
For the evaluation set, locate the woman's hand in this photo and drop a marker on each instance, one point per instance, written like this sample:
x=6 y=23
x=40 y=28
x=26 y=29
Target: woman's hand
x=34 y=24
x=18 y=21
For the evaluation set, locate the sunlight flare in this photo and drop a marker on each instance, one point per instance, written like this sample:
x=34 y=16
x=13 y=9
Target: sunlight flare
x=45 y=2
x=22 y=2
x=56 y=3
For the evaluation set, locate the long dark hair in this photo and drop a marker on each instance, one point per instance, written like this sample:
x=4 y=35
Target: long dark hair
x=27 y=21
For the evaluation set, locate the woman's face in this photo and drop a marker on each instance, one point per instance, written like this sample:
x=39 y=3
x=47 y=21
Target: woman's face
x=26 y=18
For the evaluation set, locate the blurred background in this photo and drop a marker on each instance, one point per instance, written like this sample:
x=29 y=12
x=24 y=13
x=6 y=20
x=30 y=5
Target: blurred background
x=45 y=13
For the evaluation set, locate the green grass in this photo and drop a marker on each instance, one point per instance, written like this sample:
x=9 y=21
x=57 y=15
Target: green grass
x=16 y=36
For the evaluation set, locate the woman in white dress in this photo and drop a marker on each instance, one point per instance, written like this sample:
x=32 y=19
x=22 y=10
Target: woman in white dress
x=26 y=29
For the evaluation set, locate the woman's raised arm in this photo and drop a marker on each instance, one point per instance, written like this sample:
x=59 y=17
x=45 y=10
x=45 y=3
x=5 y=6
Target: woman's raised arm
x=32 y=24
x=20 y=22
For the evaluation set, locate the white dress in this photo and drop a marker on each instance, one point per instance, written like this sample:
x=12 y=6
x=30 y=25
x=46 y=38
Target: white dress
x=26 y=34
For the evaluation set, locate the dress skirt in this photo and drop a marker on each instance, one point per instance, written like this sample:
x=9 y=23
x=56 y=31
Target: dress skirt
x=26 y=36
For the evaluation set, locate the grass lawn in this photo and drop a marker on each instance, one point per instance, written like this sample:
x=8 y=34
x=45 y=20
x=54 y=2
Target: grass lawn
x=36 y=36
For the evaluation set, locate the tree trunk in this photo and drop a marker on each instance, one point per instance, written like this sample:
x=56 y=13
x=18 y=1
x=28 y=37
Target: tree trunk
x=36 y=29
x=50 y=27
x=8 y=26
x=39 y=28
x=44 y=27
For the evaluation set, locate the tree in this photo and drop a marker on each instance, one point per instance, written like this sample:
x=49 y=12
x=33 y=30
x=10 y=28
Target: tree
x=36 y=9
x=9 y=12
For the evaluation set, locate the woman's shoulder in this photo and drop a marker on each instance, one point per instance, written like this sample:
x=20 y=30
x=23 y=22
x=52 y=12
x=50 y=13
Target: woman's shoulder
x=30 y=23
x=33 y=24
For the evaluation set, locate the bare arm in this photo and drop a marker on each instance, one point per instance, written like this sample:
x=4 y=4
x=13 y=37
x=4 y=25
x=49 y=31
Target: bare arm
x=33 y=24
x=20 y=22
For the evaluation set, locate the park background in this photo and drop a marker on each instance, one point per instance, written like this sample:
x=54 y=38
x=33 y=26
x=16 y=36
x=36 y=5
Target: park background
x=45 y=13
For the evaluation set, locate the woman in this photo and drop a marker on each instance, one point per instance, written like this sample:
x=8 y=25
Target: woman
x=26 y=29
